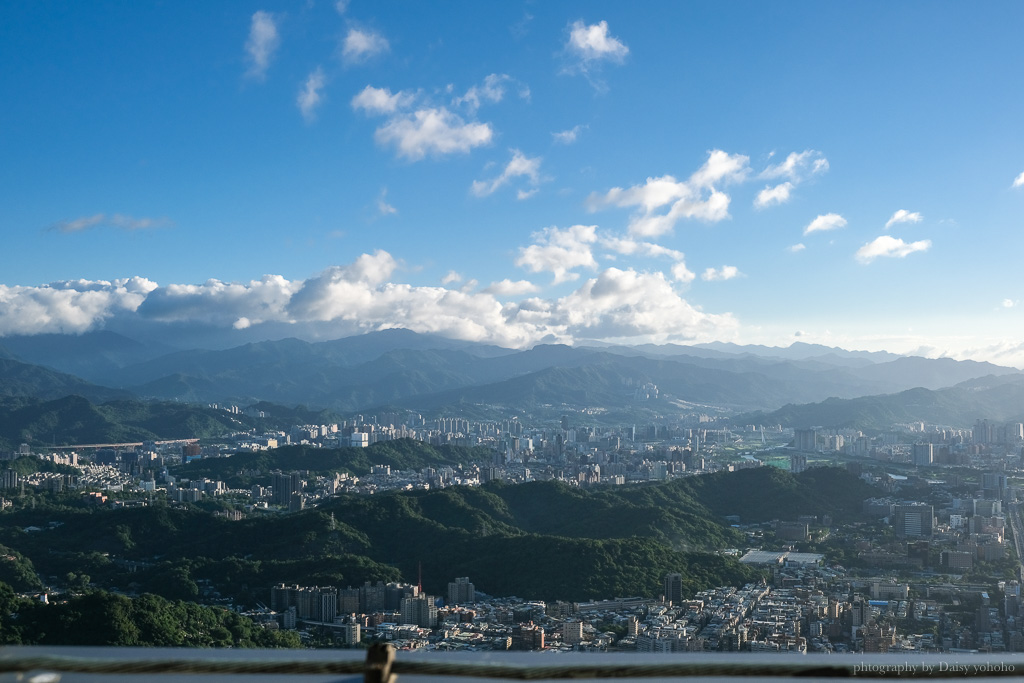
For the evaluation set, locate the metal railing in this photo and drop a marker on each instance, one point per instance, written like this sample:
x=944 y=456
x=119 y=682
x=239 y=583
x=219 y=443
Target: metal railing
x=382 y=664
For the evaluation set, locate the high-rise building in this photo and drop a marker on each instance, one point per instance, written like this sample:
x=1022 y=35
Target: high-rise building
x=572 y=632
x=394 y=593
x=348 y=600
x=1011 y=599
x=805 y=440
x=317 y=604
x=461 y=591
x=284 y=486
x=353 y=632
x=310 y=604
x=878 y=637
x=420 y=610
x=527 y=637
x=282 y=597
x=994 y=485
x=984 y=432
x=9 y=479
x=913 y=519
x=923 y=454
x=673 y=587
x=372 y=597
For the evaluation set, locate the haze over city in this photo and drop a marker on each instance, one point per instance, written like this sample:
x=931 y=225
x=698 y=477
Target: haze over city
x=849 y=175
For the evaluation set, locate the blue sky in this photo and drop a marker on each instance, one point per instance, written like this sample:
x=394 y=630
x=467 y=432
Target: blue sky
x=843 y=173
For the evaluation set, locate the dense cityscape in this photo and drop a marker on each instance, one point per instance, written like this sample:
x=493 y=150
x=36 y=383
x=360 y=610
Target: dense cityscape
x=933 y=567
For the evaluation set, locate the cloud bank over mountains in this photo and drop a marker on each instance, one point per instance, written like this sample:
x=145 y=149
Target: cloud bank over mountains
x=615 y=304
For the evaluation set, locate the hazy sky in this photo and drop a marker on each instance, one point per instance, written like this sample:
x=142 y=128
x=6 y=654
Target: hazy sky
x=843 y=173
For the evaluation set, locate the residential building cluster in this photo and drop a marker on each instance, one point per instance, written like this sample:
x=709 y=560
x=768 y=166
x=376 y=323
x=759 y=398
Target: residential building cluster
x=802 y=606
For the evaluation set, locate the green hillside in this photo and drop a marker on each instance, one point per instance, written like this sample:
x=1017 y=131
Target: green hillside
x=993 y=398
x=76 y=420
x=19 y=379
x=104 y=619
x=542 y=540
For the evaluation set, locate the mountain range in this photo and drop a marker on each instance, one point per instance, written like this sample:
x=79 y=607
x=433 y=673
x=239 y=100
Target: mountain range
x=402 y=369
x=999 y=399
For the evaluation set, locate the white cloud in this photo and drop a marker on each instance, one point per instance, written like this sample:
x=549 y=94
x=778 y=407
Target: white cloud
x=798 y=166
x=721 y=167
x=341 y=289
x=372 y=269
x=1019 y=180
x=616 y=304
x=1009 y=303
x=383 y=207
x=773 y=195
x=263 y=41
x=682 y=274
x=696 y=197
x=451 y=277
x=360 y=45
x=592 y=43
x=341 y=6
x=347 y=300
x=627 y=246
x=130 y=223
x=567 y=137
x=589 y=48
x=828 y=221
x=799 y=246
x=624 y=304
x=889 y=246
x=1007 y=352
x=526 y=194
x=432 y=131
x=221 y=303
x=724 y=273
x=79 y=224
x=492 y=90
x=573 y=247
x=903 y=216
x=521 y=166
x=116 y=220
x=68 y=307
x=508 y=287
x=560 y=251
x=381 y=100
x=309 y=96
x=429 y=128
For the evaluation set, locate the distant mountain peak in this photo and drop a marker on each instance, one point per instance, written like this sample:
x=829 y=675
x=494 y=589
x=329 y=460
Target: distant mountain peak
x=797 y=350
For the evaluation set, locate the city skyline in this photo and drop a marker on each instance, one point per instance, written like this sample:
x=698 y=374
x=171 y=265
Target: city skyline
x=518 y=173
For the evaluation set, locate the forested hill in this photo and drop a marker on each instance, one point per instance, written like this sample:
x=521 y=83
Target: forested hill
x=541 y=540
x=76 y=420
x=23 y=379
x=100 y=618
x=993 y=398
